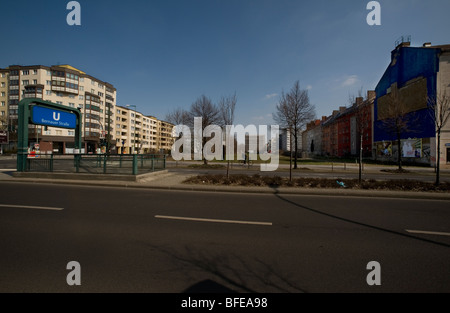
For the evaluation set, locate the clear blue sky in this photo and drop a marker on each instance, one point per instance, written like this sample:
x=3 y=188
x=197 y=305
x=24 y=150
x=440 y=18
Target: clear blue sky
x=163 y=54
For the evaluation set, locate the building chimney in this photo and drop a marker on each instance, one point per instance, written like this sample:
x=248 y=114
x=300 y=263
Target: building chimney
x=359 y=100
x=342 y=109
x=324 y=118
x=371 y=94
x=335 y=112
x=427 y=45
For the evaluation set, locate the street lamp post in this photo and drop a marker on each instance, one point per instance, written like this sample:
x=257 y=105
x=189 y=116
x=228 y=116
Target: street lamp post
x=134 y=132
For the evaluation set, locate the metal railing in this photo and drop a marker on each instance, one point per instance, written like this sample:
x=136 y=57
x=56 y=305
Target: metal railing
x=98 y=163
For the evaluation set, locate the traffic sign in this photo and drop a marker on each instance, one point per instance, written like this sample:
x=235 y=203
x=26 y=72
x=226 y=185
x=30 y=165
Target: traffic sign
x=53 y=117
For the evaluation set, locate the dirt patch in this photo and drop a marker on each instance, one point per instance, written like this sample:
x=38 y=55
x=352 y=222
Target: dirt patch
x=276 y=181
x=207 y=166
x=397 y=171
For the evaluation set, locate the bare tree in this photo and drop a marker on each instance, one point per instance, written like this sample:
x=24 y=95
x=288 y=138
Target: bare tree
x=178 y=117
x=227 y=106
x=362 y=121
x=293 y=111
x=397 y=119
x=439 y=111
x=210 y=113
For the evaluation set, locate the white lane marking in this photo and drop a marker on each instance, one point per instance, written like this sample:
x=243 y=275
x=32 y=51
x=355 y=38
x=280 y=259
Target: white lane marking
x=212 y=220
x=427 y=232
x=30 y=207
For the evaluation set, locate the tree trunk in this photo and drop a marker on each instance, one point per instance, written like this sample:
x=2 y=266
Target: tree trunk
x=438 y=157
x=360 y=159
x=399 y=152
x=290 y=160
x=296 y=149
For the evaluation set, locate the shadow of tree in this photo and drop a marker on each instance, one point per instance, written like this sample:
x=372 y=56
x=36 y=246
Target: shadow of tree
x=279 y=196
x=233 y=273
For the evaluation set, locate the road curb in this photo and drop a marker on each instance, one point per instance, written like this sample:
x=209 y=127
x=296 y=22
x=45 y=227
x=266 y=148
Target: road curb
x=249 y=190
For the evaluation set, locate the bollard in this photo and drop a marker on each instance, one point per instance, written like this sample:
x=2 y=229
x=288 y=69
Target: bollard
x=104 y=164
x=135 y=164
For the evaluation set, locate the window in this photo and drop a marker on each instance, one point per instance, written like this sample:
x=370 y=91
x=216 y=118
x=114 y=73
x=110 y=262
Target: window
x=58 y=133
x=49 y=73
x=71 y=96
x=25 y=72
x=3 y=113
x=80 y=97
x=72 y=105
x=81 y=88
x=80 y=106
x=3 y=84
x=34 y=81
x=25 y=82
x=3 y=103
x=92 y=82
x=48 y=92
x=59 y=102
x=48 y=82
x=71 y=133
x=35 y=72
x=3 y=94
x=81 y=79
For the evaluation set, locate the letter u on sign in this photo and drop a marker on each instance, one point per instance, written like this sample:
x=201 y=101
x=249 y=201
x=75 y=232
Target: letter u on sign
x=56 y=116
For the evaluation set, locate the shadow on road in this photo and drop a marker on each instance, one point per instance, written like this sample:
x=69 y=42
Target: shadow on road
x=359 y=223
x=234 y=273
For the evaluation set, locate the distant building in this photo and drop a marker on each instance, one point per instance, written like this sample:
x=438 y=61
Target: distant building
x=312 y=138
x=137 y=133
x=330 y=134
x=285 y=140
x=415 y=73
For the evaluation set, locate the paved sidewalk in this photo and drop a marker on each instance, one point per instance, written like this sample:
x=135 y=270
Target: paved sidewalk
x=174 y=181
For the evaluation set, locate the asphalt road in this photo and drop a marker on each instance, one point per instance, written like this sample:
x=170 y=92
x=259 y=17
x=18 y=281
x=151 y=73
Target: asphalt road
x=132 y=240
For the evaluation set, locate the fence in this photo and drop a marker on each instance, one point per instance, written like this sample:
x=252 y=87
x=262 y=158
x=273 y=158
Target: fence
x=97 y=164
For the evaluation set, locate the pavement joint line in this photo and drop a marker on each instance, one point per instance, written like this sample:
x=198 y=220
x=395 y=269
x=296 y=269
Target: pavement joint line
x=428 y=232
x=212 y=220
x=30 y=207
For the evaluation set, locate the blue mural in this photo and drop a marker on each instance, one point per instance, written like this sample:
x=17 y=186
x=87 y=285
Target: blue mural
x=408 y=63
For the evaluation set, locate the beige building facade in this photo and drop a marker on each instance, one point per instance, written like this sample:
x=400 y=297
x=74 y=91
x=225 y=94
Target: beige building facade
x=65 y=85
x=127 y=130
x=138 y=133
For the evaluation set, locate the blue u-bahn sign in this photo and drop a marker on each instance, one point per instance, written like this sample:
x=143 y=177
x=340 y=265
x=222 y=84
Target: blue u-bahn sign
x=40 y=112
x=53 y=117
